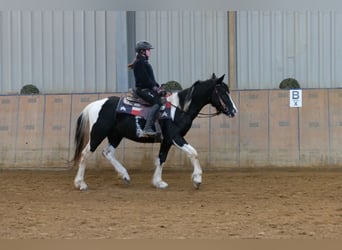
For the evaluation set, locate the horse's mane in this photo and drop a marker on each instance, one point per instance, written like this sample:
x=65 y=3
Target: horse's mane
x=185 y=95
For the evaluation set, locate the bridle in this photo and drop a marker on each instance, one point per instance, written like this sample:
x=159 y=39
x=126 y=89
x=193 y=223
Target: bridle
x=206 y=115
x=223 y=107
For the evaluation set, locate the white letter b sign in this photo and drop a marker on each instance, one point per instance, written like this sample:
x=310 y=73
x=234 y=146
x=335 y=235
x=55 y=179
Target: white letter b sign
x=295 y=98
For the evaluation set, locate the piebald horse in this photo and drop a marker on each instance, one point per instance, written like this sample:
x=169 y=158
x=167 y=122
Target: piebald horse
x=103 y=119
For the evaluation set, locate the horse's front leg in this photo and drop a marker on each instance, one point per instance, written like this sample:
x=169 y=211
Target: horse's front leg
x=157 y=180
x=191 y=152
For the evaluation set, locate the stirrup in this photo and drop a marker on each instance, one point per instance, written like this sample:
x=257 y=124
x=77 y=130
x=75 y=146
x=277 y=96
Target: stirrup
x=149 y=132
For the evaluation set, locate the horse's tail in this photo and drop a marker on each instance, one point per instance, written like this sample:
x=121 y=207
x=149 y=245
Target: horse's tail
x=81 y=135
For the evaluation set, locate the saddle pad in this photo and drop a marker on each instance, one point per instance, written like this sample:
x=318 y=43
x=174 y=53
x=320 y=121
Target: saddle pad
x=137 y=109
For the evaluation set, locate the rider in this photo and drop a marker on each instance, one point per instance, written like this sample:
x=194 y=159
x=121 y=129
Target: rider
x=145 y=83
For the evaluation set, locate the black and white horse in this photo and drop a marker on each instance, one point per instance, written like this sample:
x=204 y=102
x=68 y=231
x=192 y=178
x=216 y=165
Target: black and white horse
x=102 y=118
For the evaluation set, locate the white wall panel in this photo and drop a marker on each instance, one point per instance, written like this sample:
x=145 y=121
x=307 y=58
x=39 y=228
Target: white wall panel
x=100 y=50
x=63 y=51
x=68 y=51
x=189 y=45
x=6 y=59
x=89 y=51
x=273 y=45
x=79 y=55
x=37 y=47
x=47 y=57
x=86 y=51
x=117 y=40
x=16 y=49
x=57 y=51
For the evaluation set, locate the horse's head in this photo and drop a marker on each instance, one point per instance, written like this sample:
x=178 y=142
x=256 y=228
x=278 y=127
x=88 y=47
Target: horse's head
x=221 y=98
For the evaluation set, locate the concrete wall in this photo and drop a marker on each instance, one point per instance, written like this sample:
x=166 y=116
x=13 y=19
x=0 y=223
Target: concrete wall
x=37 y=132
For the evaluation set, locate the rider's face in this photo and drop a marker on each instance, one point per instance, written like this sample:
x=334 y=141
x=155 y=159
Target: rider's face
x=148 y=52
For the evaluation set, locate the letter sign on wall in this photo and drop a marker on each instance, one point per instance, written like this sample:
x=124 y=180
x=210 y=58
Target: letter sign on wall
x=295 y=98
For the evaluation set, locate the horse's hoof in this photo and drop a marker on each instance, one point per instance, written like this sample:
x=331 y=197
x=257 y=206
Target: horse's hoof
x=126 y=181
x=161 y=185
x=83 y=187
x=197 y=180
x=197 y=185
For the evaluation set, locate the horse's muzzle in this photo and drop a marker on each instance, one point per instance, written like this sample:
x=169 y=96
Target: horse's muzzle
x=230 y=113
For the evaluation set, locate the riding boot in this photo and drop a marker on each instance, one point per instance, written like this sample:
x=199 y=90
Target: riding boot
x=150 y=120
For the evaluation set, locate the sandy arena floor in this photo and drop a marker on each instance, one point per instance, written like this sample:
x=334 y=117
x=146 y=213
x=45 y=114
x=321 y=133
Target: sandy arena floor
x=271 y=204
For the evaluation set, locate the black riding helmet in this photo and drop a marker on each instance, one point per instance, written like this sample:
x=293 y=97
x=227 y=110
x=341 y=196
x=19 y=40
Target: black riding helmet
x=143 y=45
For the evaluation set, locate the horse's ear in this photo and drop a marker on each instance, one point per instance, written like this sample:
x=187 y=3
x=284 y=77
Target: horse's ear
x=220 y=80
x=213 y=76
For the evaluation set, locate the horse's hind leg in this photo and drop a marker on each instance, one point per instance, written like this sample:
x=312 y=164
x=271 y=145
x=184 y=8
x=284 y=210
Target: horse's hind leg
x=79 y=179
x=109 y=153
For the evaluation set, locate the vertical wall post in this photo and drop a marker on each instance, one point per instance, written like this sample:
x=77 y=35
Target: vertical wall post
x=131 y=40
x=232 y=49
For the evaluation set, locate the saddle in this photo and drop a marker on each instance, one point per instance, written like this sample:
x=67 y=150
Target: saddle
x=134 y=105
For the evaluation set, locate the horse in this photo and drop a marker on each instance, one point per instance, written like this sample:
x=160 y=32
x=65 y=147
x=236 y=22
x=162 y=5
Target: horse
x=102 y=119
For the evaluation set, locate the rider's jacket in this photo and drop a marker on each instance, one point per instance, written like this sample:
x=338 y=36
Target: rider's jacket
x=143 y=73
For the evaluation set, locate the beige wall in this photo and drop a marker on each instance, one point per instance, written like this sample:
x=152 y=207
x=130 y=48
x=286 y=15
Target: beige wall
x=37 y=132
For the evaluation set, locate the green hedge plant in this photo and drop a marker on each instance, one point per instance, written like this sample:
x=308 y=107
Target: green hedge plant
x=289 y=83
x=29 y=89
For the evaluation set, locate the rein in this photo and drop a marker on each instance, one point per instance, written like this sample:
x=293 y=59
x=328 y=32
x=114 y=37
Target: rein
x=205 y=115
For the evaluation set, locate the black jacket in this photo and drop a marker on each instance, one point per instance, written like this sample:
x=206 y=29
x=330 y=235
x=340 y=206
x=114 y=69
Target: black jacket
x=143 y=73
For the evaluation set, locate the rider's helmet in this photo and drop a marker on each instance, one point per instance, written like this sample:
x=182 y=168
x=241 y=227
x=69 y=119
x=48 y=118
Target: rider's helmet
x=143 y=45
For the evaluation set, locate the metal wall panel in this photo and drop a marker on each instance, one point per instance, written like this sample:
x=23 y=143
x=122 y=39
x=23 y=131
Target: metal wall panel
x=76 y=51
x=63 y=51
x=271 y=46
x=274 y=45
x=189 y=45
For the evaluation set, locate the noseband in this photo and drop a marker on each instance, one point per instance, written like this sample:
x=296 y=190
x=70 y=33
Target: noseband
x=223 y=105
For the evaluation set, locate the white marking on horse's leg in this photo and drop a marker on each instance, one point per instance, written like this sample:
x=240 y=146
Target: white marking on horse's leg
x=109 y=153
x=157 y=180
x=192 y=154
x=79 y=179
